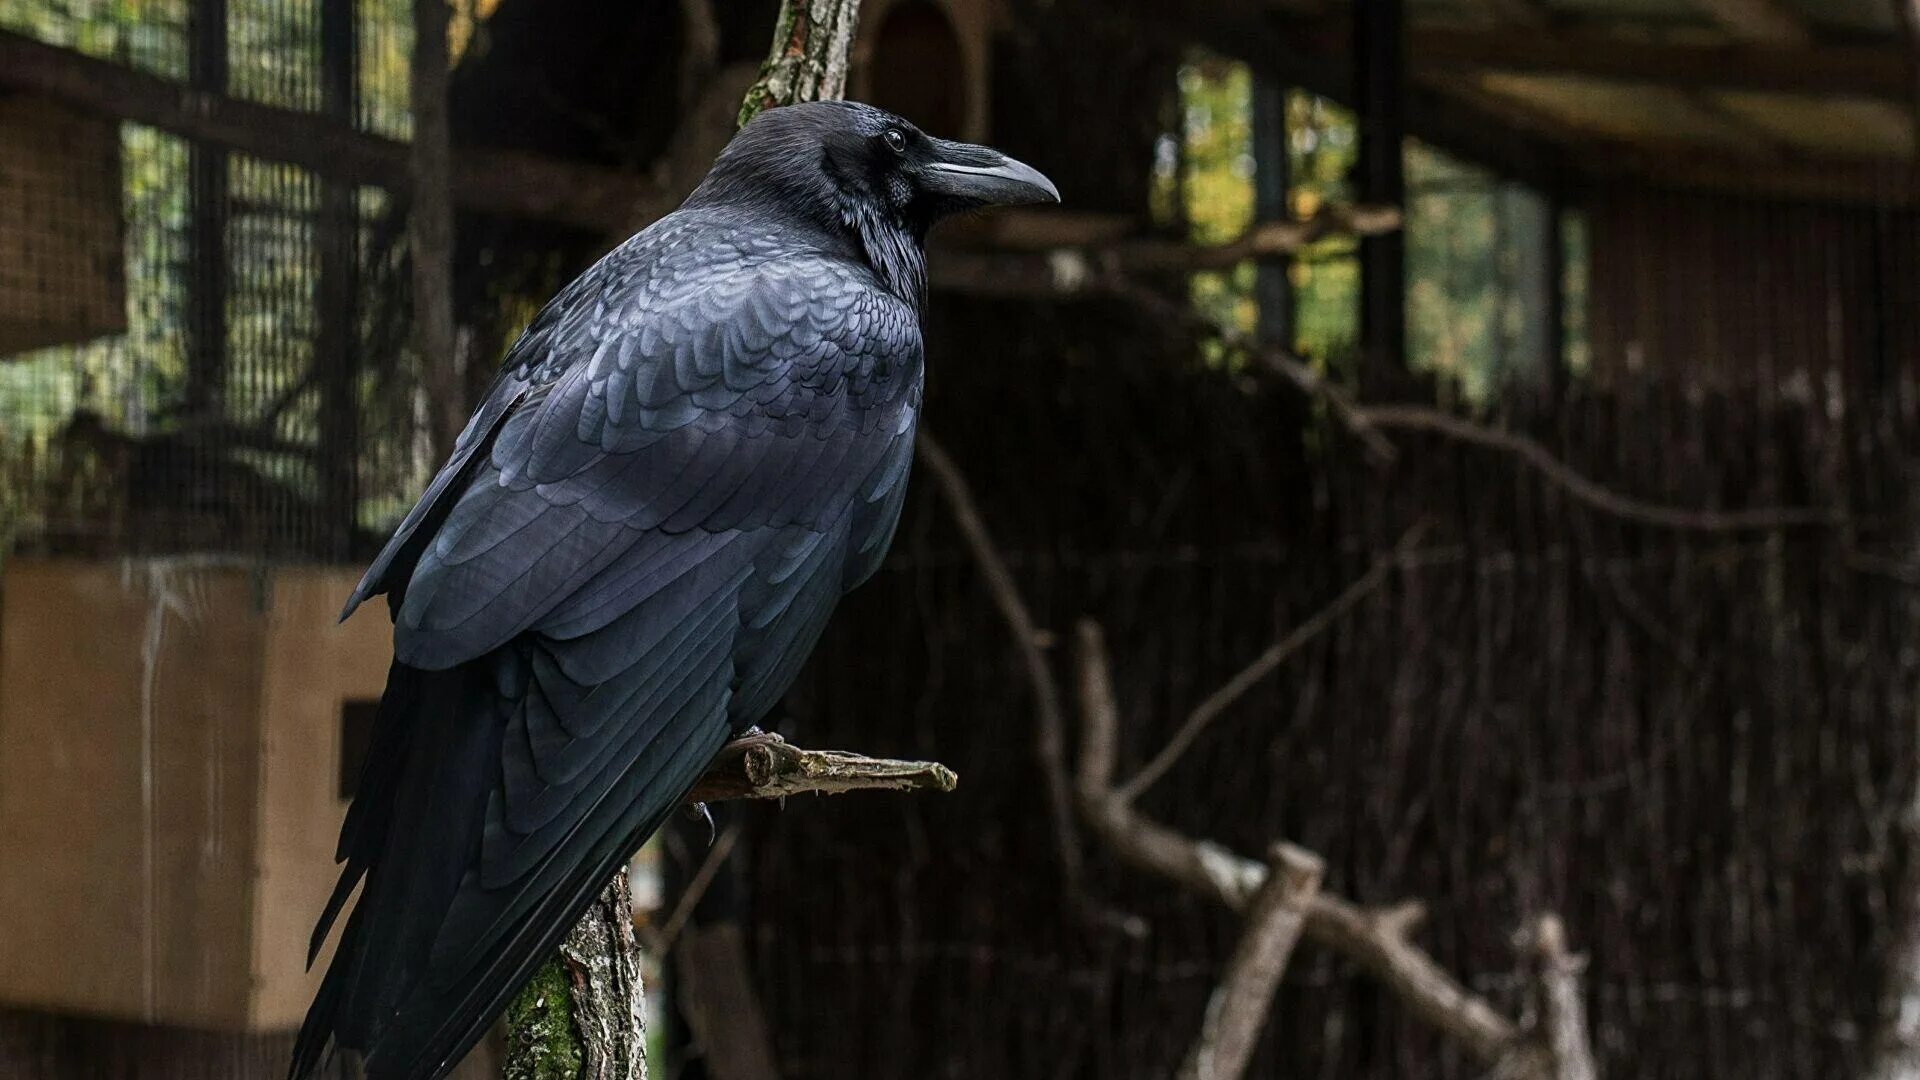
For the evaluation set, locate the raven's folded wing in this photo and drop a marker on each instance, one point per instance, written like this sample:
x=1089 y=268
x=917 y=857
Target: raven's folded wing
x=639 y=549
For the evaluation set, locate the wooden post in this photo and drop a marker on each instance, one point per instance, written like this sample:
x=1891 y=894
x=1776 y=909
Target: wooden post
x=1379 y=67
x=336 y=347
x=207 y=219
x=1553 y=254
x=430 y=227
x=1273 y=284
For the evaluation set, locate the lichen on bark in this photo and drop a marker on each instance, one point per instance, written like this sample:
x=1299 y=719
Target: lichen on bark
x=542 y=1043
x=812 y=40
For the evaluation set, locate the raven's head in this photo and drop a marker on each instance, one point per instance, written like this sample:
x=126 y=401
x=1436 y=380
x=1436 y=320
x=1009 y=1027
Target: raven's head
x=867 y=175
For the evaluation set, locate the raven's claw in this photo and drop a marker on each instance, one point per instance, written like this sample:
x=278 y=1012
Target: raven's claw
x=706 y=815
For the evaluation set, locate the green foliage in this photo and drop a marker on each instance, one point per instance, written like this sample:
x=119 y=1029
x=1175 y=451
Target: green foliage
x=1322 y=145
x=146 y=34
x=1473 y=311
x=1216 y=181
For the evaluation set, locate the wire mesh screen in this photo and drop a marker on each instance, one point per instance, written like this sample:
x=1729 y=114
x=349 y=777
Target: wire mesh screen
x=218 y=409
x=1694 y=746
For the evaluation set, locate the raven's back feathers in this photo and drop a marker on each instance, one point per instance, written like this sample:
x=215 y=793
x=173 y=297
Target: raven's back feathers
x=688 y=458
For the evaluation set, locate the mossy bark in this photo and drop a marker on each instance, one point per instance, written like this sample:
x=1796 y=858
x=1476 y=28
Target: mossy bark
x=812 y=43
x=541 y=1041
x=582 y=1015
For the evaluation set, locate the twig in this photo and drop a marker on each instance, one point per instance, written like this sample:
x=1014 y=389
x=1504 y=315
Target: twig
x=1050 y=713
x=1248 y=677
x=766 y=766
x=1896 y=1052
x=1238 y=1007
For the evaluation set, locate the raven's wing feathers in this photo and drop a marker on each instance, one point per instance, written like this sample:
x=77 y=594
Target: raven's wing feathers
x=649 y=521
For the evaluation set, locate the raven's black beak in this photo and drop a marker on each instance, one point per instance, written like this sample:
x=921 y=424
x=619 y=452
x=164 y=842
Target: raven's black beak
x=982 y=176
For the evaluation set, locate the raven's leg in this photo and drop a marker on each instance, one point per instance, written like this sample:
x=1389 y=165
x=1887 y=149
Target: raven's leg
x=701 y=811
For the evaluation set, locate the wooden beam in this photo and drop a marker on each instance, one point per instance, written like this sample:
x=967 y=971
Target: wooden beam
x=1379 y=89
x=1273 y=281
x=430 y=227
x=206 y=278
x=1600 y=155
x=336 y=346
x=1768 y=21
x=1307 y=59
x=1518 y=12
x=1873 y=71
x=494 y=181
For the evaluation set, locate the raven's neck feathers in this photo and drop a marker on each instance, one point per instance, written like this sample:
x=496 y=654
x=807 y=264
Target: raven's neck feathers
x=895 y=253
x=776 y=182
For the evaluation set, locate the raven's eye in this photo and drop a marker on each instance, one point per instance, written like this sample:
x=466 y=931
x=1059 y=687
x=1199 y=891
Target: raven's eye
x=896 y=141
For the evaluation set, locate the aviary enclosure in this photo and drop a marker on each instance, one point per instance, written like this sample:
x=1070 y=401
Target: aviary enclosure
x=1478 y=437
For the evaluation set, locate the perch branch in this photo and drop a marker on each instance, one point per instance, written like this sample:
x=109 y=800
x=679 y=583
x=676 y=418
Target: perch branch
x=609 y=1002
x=766 y=766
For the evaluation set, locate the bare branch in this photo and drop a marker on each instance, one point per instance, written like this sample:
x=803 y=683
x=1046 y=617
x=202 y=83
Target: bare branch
x=1563 y=1009
x=1050 y=713
x=1537 y=457
x=1896 y=1054
x=766 y=766
x=1238 y=1007
x=1374 y=939
x=1368 y=422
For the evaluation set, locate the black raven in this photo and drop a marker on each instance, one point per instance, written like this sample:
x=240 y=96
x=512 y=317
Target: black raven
x=694 y=450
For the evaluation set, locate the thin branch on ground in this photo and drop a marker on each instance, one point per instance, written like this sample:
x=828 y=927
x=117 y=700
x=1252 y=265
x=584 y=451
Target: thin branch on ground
x=1250 y=676
x=1238 y=1007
